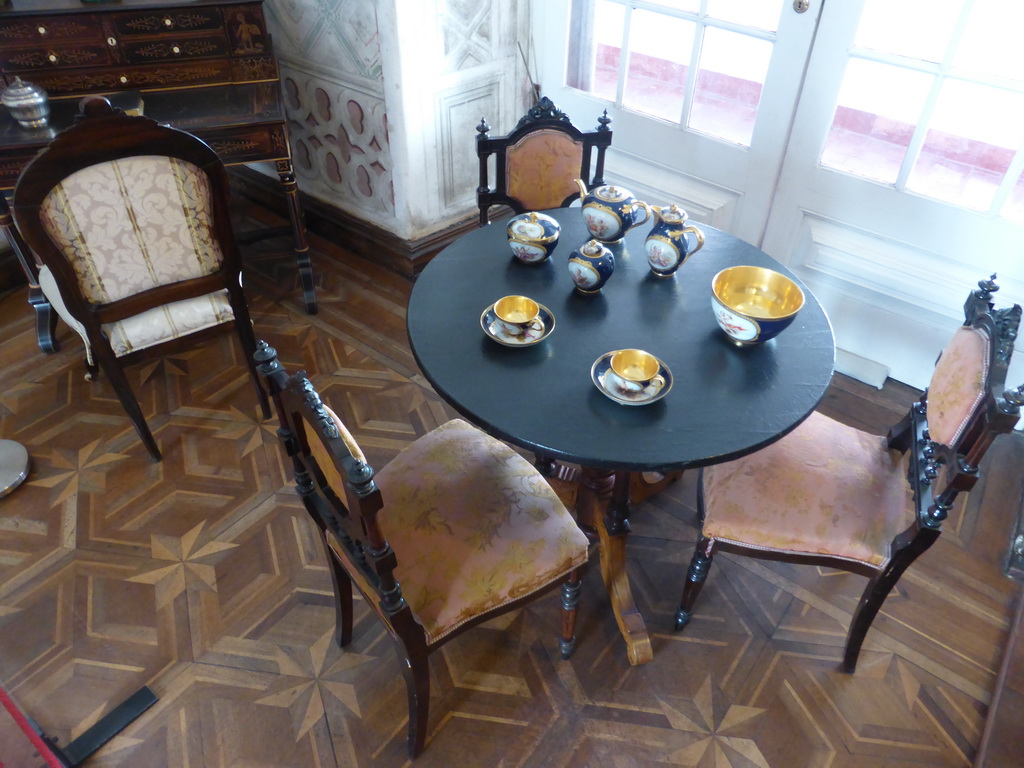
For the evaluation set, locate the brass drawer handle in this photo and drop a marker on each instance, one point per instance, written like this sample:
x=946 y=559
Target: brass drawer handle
x=175 y=49
x=168 y=21
x=43 y=30
x=123 y=79
x=52 y=57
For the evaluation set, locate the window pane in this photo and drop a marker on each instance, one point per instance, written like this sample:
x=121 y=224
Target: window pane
x=732 y=71
x=1014 y=208
x=990 y=43
x=595 y=47
x=920 y=29
x=879 y=105
x=763 y=14
x=659 y=56
x=680 y=5
x=971 y=140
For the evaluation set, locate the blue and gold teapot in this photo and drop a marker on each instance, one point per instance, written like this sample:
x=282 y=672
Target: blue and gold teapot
x=610 y=212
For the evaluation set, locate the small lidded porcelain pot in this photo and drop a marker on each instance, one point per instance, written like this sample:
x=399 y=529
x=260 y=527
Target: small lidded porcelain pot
x=532 y=236
x=590 y=266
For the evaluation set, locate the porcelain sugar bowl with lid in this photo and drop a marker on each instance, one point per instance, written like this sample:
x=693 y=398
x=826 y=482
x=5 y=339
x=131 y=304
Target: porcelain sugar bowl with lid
x=532 y=236
x=590 y=266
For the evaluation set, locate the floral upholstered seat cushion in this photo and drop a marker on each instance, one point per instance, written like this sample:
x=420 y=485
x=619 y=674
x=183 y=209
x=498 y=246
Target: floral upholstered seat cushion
x=473 y=524
x=541 y=168
x=825 y=488
x=149 y=328
x=132 y=224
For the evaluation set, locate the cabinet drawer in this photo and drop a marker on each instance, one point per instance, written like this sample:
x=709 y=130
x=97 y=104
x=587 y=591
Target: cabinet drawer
x=173 y=48
x=154 y=77
x=169 y=20
x=28 y=59
x=49 y=30
x=245 y=145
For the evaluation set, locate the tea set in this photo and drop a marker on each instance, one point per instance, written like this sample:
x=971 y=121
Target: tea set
x=750 y=304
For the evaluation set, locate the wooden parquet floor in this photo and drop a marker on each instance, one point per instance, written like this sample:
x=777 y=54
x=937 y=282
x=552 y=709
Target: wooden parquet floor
x=201 y=577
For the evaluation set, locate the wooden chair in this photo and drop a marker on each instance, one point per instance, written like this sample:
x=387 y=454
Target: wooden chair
x=129 y=220
x=455 y=530
x=832 y=495
x=537 y=164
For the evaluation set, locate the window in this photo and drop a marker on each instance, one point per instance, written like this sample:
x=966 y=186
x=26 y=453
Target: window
x=936 y=112
x=698 y=63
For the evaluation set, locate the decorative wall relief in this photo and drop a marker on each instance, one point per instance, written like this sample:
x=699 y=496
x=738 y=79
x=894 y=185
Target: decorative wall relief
x=467 y=28
x=336 y=72
x=339 y=143
x=332 y=38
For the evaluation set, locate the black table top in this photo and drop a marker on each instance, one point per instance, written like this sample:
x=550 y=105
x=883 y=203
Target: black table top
x=726 y=401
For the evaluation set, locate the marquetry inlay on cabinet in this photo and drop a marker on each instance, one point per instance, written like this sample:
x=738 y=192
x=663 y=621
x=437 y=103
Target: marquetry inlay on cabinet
x=71 y=48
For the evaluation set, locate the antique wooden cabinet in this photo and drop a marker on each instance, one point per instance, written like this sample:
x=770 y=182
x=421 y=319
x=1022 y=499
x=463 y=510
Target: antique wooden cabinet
x=71 y=48
x=205 y=66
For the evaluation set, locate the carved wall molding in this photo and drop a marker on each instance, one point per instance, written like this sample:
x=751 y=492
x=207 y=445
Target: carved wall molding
x=457 y=110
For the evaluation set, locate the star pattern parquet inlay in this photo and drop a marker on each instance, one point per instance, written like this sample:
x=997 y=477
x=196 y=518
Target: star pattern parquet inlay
x=201 y=577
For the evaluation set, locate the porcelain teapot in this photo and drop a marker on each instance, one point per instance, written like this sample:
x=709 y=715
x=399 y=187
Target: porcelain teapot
x=668 y=245
x=610 y=212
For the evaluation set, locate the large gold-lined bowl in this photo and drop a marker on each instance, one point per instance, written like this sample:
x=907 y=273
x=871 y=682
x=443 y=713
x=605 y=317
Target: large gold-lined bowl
x=754 y=304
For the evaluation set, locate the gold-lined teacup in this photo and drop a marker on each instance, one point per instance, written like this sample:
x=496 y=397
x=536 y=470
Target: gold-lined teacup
x=518 y=315
x=634 y=370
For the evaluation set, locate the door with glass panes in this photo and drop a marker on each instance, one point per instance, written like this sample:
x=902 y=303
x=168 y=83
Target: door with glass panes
x=875 y=146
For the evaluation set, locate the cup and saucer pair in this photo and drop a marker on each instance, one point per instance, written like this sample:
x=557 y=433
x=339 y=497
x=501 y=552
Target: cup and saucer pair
x=524 y=337
x=626 y=392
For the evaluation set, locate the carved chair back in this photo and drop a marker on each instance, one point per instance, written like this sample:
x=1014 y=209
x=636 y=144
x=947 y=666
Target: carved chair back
x=337 y=487
x=947 y=432
x=537 y=164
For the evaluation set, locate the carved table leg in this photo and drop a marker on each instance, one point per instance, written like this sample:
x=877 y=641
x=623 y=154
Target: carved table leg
x=605 y=490
x=46 y=318
x=291 y=190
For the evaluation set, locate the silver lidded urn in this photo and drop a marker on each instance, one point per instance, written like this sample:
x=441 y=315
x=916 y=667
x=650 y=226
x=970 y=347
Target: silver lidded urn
x=27 y=103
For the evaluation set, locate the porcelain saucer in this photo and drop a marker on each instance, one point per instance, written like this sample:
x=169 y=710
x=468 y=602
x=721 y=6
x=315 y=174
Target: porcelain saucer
x=490 y=325
x=602 y=366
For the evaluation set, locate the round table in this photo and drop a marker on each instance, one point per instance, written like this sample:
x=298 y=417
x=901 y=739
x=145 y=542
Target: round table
x=726 y=400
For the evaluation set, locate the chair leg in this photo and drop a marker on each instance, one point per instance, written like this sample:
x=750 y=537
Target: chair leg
x=243 y=327
x=877 y=590
x=570 y=603
x=416 y=671
x=700 y=564
x=342 y=601
x=129 y=402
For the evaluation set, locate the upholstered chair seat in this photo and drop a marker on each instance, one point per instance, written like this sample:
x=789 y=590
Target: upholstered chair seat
x=833 y=490
x=474 y=526
x=149 y=328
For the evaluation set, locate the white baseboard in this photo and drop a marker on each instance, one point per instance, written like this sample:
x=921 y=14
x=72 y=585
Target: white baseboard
x=861 y=369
